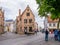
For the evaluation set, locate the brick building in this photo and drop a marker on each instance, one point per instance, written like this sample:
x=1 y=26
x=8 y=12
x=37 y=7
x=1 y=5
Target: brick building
x=1 y=21
x=25 y=21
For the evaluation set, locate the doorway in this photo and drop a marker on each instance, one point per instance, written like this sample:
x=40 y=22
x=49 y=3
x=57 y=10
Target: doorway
x=30 y=29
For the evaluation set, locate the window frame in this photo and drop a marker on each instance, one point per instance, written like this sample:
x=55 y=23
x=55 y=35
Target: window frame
x=50 y=24
x=25 y=20
x=28 y=14
x=30 y=20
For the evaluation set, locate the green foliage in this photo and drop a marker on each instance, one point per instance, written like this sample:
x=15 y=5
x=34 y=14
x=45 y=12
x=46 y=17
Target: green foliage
x=46 y=6
x=49 y=6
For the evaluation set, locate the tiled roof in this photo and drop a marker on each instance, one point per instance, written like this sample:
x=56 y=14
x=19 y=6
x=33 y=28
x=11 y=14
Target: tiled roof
x=50 y=20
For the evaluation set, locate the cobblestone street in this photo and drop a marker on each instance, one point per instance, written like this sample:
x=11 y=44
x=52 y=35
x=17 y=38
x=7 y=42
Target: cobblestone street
x=16 y=39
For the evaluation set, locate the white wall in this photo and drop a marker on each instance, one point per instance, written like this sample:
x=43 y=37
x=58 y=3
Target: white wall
x=52 y=27
x=11 y=27
x=14 y=26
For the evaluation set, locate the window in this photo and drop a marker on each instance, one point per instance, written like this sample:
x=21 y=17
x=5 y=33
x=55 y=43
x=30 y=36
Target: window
x=28 y=14
x=20 y=28
x=20 y=19
x=25 y=20
x=30 y=20
x=25 y=29
x=54 y=24
x=50 y=24
x=30 y=29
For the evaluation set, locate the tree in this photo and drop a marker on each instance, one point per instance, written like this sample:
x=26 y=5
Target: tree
x=49 y=6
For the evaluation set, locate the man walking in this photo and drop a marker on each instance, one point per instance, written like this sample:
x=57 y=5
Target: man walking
x=46 y=35
x=59 y=35
x=56 y=35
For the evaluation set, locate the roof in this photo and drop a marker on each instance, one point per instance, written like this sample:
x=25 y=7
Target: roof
x=51 y=21
x=26 y=9
x=9 y=20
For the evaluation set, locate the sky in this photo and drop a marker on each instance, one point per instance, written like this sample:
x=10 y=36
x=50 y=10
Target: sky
x=11 y=8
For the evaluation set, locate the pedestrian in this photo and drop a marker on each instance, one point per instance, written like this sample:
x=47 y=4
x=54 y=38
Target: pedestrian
x=25 y=31
x=59 y=35
x=36 y=32
x=56 y=34
x=46 y=35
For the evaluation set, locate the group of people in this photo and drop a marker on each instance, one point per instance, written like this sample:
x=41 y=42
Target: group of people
x=56 y=35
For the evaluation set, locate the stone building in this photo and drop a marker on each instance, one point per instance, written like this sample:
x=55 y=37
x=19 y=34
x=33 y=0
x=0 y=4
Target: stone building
x=25 y=21
x=1 y=21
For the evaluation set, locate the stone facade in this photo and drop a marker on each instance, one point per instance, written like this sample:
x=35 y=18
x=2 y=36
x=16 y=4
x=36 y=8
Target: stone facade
x=25 y=21
x=1 y=21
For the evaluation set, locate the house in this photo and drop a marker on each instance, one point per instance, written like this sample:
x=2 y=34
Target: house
x=51 y=24
x=1 y=21
x=25 y=21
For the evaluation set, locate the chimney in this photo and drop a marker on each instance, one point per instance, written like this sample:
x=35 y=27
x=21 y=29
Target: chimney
x=27 y=5
x=19 y=11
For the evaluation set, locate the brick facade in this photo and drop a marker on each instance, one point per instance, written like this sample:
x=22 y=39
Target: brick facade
x=1 y=21
x=25 y=21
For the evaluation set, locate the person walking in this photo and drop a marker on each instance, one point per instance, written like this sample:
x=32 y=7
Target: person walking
x=56 y=35
x=59 y=35
x=46 y=35
x=25 y=31
x=36 y=32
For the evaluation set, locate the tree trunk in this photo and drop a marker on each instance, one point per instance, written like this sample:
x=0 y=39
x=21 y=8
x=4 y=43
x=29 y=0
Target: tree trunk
x=58 y=24
x=45 y=23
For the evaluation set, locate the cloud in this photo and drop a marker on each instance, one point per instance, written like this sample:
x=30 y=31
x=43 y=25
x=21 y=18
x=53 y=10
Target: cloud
x=11 y=8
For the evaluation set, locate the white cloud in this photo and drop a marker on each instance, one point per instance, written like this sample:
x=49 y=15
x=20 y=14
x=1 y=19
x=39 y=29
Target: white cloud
x=11 y=8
